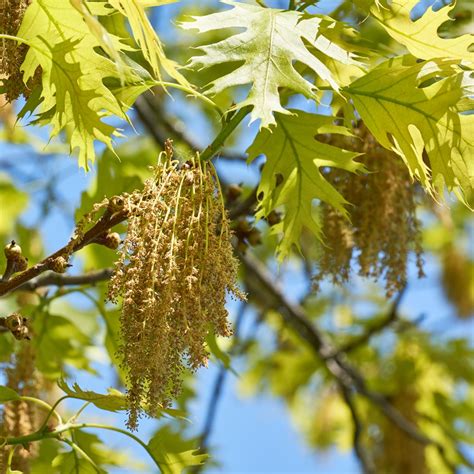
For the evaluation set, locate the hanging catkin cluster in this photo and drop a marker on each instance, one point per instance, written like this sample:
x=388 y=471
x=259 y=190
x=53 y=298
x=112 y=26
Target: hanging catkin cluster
x=20 y=418
x=396 y=452
x=12 y=53
x=457 y=278
x=383 y=226
x=175 y=268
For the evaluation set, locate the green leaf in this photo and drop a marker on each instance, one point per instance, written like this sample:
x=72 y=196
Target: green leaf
x=98 y=451
x=146 y=37
x=72 y=463
x=58 y=342
x=113 y=401
x=216 y=351
x=7 y=394
x=413 y=109
x=13 y=202
x=173 y=453
x=421 y=36
x=273 y=39
x=74 y=97
x=295 y=156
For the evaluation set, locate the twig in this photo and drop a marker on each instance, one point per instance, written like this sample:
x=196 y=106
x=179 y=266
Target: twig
x=56 y=279
x=99 y=228
x=245 y=207
x=365 y=461
x=149 y=117
x=152 y=115
x=346 y=375
x=379 y=326
x=229 y=126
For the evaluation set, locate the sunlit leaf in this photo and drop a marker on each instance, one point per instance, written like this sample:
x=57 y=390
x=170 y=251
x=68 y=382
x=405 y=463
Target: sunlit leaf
x=421 y=36
x=7 y=394
x=113 y=401
x=416 y=108
x=72 y=73
x=295 y=158
x=273 y=39
x=72 y=463
x=146 y=37
x=174 y=453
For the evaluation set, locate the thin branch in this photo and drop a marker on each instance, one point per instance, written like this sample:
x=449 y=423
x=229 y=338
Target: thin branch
x=152 y=115
x=364 y=459
x=346 y=375
x=149 y=117
x=57 y=279
x=82 y=453
x=102 y=225
x=230 y=124
x=376 y=328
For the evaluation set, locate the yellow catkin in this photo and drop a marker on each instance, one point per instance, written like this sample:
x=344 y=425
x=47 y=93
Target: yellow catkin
x=176 y=267
x=20 y=418
x=457 y=278
x=383 y=226
x=12 y=54
x=397 y=452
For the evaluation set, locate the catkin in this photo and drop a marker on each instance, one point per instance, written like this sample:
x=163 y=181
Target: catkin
x=174 y=271
x=383 y=226
x=396 y=452
x=19 y=418
x=457 y=278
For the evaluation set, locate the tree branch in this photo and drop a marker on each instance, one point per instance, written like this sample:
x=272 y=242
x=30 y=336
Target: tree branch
x=376 y=328
x=364 y=460
x=346 y=375
x=57 y=279
x=102 y=225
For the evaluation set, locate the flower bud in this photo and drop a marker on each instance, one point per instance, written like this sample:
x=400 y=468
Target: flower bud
x=59 y=265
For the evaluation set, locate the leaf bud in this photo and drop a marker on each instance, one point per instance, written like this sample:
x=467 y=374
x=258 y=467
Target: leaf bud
x=273 y=218
x=254 y=237
x=17 y=325
x=243 y=226
x=234 y=191
x=116 y=204
x=59 y=265
x=112 y=240
x=12 y=251
x=21 y=264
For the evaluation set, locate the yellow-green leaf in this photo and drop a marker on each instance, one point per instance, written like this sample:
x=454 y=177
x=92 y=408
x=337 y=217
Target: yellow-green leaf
x=296 y=157
x=146 y=37
x=421 y=36
x=417 y=108
x=74 y=97
x=272 y=41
